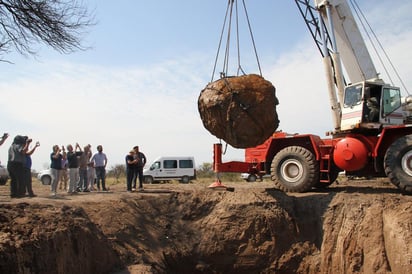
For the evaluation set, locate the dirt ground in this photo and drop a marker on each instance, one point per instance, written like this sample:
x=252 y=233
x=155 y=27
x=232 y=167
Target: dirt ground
x=356 y=226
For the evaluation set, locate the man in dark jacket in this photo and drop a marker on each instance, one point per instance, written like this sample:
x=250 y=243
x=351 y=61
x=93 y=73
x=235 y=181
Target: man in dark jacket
x=16 y=164
x=141 y=162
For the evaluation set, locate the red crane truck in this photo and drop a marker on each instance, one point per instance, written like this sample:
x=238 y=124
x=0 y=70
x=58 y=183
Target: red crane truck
x=372 y=134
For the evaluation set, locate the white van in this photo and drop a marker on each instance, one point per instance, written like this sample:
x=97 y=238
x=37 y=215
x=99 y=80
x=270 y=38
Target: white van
x=170 y=168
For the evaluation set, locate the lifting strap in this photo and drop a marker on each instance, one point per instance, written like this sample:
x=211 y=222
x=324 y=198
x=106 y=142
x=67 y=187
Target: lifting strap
x=232 y=14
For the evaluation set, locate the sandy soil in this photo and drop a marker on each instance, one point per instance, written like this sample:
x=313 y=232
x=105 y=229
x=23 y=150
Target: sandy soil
x=356 y=226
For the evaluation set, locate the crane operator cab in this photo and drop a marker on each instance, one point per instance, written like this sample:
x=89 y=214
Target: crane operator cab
x=371 y=105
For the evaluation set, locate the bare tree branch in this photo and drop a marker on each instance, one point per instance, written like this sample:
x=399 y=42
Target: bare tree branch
x=60 y=24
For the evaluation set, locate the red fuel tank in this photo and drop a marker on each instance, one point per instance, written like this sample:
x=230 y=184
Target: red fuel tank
x=350 y=154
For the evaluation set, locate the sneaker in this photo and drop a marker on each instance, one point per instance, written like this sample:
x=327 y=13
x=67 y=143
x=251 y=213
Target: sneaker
x=32 y=195
x=86 y=190
x=140 y=189
x=133 y=189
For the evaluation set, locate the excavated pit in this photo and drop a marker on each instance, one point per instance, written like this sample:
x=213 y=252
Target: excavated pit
x=250 y=230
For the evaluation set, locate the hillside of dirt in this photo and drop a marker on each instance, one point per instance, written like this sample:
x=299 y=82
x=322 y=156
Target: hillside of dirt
x=356 y=226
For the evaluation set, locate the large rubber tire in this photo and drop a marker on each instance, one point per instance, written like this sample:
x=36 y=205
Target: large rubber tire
x=295 y=169
x=398 y=163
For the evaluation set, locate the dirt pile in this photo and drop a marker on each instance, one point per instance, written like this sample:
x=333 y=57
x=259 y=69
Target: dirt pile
x=350 y=228
x=51 y=239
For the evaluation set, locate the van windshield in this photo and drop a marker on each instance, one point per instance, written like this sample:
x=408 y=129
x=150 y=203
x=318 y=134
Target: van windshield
x=155 y=165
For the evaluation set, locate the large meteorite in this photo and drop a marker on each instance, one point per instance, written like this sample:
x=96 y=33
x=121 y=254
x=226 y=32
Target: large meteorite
x=240 y=110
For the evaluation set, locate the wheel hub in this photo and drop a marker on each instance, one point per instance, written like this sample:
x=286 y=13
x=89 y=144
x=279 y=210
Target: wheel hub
x=406 y=163
x=292 y=170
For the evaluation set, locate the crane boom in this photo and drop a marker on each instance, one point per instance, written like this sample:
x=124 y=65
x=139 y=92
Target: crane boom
x=349 y=42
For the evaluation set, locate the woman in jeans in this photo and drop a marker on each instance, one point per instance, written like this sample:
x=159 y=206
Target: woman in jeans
x=56 y=166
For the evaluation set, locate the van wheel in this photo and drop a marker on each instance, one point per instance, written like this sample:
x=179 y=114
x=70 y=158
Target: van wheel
x=46 y=180
x=148 y=179
x=185 y=180
x=251 y=178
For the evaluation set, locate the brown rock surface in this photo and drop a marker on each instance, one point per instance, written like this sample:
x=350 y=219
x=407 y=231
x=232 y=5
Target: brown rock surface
x=355 y=226
x=240 y=110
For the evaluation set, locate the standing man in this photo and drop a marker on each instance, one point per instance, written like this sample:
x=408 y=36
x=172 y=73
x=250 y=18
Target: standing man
x=83 y=160
x=15 y=165
x=64 y=176
x=56 y=166
x=27 y=170
x=91 y=174
x=141 y=162
x=131 y=162
x=100 y=162
x=73 y=164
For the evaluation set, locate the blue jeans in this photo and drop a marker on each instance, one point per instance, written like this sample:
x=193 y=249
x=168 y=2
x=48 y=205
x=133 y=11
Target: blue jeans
x=55 y=174
x=138 y=174
x=101 y=176
x=83 y=179
x=129 y=179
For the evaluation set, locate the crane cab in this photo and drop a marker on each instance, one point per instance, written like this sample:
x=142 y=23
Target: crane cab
x=371 y=105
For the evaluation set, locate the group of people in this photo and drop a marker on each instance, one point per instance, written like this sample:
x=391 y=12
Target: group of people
x=74 y=170
x=19 y=165
x=82 y=169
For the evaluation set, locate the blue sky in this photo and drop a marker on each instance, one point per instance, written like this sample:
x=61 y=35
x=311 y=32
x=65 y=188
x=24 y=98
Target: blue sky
x=147 y=63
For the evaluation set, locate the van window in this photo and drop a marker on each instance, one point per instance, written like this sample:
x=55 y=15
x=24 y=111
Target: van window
x=185 y=163
x=170 y=164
